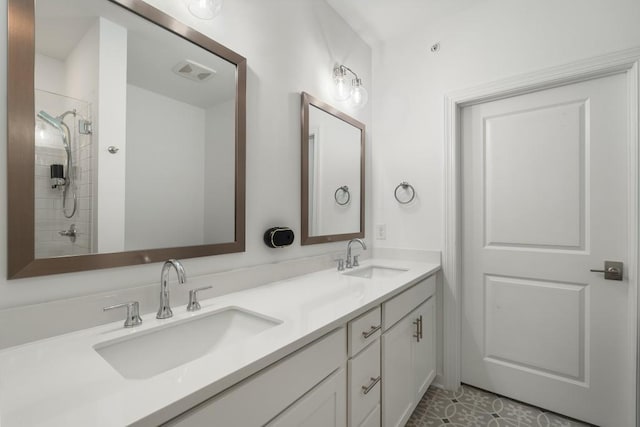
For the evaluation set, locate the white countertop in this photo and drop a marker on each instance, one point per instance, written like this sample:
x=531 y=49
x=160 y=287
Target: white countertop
x=62 y=381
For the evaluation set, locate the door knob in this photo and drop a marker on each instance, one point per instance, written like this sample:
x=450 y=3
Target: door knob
x=613 y=270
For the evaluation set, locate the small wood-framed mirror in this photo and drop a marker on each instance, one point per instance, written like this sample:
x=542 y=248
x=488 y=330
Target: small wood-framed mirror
x=333 y=184
x=126 y=138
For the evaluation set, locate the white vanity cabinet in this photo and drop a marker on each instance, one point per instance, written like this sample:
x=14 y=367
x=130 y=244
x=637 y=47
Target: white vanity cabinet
x=306 y=388
x=408 y=351
x=326 y=349
x=370 y=373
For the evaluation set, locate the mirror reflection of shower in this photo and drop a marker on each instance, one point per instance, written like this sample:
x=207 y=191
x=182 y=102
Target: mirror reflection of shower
x=65 y=164
x=65 y=180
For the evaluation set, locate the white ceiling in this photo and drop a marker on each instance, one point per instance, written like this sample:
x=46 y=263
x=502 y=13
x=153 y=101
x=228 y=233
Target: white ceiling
x=151 y=51
x=62 y=23
x=380 y=20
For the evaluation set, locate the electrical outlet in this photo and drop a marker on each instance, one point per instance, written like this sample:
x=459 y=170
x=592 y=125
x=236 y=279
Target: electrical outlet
x=381 y=231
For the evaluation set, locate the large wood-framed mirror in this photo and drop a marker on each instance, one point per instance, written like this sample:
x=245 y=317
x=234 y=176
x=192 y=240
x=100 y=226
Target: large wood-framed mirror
x=126 y=138
x=333 y=184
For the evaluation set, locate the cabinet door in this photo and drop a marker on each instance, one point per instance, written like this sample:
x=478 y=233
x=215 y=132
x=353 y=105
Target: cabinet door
x=398 y=394
x=402 y=304
x=373 y=419
x=424 y=357
x=264 y=393
x=323 y=406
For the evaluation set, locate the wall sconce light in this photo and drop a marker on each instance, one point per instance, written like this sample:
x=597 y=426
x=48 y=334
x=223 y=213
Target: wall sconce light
x=205 y=9
x=356 y=93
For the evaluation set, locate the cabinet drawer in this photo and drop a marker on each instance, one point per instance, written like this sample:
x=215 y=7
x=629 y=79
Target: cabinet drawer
x=400 y=305
x=364 y=330
x=271 y=390
x=364 y=371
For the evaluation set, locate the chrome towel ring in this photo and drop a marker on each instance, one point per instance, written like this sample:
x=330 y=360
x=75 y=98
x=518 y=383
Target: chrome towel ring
x=345 y=190
x=404 y=185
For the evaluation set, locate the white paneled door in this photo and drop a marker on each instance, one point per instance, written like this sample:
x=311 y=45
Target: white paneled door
x=545 y=199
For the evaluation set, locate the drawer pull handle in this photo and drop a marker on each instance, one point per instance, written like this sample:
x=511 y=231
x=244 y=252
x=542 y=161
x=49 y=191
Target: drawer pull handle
x=371 y=331
x=418 y=333
x=421 y=337
x=367 y=388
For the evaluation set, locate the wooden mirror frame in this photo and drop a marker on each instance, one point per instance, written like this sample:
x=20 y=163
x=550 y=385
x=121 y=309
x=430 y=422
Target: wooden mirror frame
x=306 y=238
x=21 y=150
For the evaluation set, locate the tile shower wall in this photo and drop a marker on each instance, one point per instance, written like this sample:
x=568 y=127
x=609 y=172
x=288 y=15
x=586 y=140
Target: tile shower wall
x=49 y=216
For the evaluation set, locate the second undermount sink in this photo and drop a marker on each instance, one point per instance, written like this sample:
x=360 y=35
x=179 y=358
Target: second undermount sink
x=163 y=348
x=376 y=272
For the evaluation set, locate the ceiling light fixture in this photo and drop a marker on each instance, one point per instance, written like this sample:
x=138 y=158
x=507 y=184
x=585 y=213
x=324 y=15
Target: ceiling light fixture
x=356 y=94
x=205 y=9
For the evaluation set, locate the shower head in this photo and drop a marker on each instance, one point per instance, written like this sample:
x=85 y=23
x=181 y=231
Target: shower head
x=53 y=121
x=57 y=123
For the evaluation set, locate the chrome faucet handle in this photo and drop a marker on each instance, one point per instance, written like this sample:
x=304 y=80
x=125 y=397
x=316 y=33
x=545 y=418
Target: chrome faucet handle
x=347 y=262
x=340 y=264
x=194 y=305
x=355 y=261
x=133 y=313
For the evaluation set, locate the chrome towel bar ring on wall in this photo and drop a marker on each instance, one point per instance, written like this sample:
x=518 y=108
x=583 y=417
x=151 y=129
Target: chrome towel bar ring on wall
x=345 y=191
x=405 y=185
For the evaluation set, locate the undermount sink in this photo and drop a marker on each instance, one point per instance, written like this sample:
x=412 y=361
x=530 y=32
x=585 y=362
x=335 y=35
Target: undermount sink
x=166 y=347
x=376 y=272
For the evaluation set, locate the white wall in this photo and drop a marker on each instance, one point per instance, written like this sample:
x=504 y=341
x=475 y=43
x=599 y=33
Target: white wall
x=82 y=67
x=291 y=47
x=163 y=135
x=493 y=40
x=110 y=125
x=219 y=161
x=49 y=74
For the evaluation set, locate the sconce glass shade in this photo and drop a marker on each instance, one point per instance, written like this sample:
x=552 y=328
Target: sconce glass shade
x=341 y=90
x=359 y=95
x=205 y=9
x=356 y=94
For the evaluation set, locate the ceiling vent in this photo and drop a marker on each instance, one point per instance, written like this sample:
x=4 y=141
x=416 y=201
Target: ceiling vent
x=193 y=71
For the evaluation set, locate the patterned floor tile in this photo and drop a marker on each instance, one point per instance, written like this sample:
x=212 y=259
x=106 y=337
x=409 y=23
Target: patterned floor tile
x=468 y=417
x=479 y=400
x=519 y=414
x=471 y=407
x=554 y=420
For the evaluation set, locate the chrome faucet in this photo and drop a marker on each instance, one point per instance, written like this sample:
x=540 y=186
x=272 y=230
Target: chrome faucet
x=164 y=312
x=348 y=263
